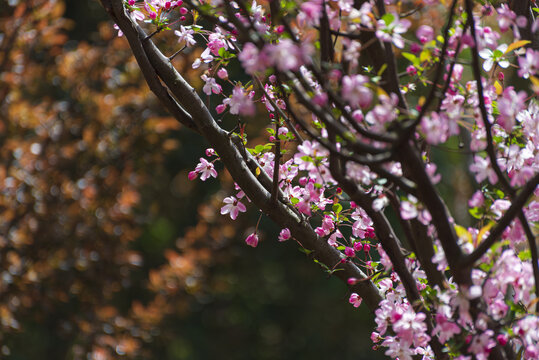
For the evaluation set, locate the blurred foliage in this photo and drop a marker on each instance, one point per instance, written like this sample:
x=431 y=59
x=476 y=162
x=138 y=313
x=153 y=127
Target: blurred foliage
x=107 y=251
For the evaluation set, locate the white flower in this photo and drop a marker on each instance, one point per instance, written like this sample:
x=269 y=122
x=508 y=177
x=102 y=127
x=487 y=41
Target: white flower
x=185 y=34
x=496 y=56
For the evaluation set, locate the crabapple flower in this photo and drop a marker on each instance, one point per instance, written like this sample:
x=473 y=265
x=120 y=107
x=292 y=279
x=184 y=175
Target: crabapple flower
x=506 y=17
x=509 y=105
x=186 y=35
x=529 y=64
x=355 y=91
x=251 y=59
x=205 y=57
x=477 y=199
x=233 y=207
x=408 y=209
x=239 y=103
x=210 y=85
x=284 y=234
x=252 y=240
x=424 y=33
x=205 y=169
x=355 y=300
x=482 y=169
x=496 y=56
x=390 y=28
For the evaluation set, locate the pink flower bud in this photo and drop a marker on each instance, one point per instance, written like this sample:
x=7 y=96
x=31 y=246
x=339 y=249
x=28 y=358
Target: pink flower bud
x=415 y=48
x=358 y=246
x=411 y=70
x=183 y=11
x=355 y=300
x=192 y=175
x=252 y=240
x=222 y=74
x=502 y=339
x=284 y=234
x=320 y=99
x=352 y=281
x=220 y=108
x=348 y=251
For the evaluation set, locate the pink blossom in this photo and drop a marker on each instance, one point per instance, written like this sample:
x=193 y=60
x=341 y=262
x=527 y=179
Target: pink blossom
x=384 y=112
x=355 y=300
x=192 y=175
x=222 y=74
x=285 y=55
x=233 y=207
x=358 y=246
x=210 y=152
x=506 y=17
x=216 y=42
x=424 y=33
x=529 y=64
x=445 y=329
x=477 y=199
x=355 y=92
x=509 y=105
x=408 y=208
x=250 y=59
x=482 y=169
x=239 y=103
x=284 y=234
x=185 y=34
x=430 y=168
x=252 y=240
x=205 y=169
x=482 y=344
x=391 y=28
x=310 y=12
x=435 y=127
x=210 y=85
x=499 y=206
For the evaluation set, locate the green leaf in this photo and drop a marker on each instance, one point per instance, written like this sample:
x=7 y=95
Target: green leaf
x=476 y=212
x=525 y=255
x=382 y=69
x=388 y=18
x=337 y=208
x=411 y=57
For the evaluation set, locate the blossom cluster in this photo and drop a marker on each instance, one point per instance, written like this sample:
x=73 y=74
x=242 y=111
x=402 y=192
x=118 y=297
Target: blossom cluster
x=349 y=110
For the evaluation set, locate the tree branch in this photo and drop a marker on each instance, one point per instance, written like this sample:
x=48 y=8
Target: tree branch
x=233 y=160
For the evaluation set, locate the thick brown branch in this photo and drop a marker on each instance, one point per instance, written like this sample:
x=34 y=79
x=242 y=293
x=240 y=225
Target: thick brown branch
x=234 y=161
